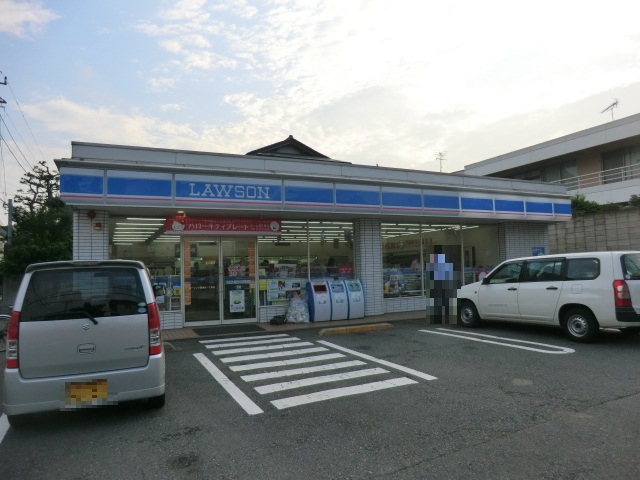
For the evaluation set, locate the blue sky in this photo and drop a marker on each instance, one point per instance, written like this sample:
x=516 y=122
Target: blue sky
x=367 y=81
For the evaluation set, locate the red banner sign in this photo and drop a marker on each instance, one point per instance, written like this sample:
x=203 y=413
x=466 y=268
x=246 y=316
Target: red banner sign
x=222 y=226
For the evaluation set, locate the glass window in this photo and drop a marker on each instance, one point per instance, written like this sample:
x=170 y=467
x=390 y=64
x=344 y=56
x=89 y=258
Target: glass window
x=144 y=239
x=583 y=269
x=569 y=170
x=92 y=292
x=552 y=174
x=402 y=262
x=543 y=271
x=508 y=273
x=631 y=266
x=305 y=250
x=481 y=252
x=612 y=165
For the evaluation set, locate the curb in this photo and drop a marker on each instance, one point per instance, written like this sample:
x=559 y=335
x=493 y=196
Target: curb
x=354 y=329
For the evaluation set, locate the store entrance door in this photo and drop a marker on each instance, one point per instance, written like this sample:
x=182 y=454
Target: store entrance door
x=219 y=280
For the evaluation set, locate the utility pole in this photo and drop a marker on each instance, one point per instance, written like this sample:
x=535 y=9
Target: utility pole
x=440 y=157
x=10 y=203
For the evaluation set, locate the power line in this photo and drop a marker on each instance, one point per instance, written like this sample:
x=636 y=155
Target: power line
x=17 y=146
x=17 y=131
x=27 y=123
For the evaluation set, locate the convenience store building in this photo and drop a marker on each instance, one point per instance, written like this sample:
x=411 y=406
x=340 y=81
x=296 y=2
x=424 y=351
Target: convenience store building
x=234 y=237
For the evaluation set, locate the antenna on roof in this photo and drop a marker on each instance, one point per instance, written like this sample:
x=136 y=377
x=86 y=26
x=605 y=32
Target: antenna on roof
x=611 y=107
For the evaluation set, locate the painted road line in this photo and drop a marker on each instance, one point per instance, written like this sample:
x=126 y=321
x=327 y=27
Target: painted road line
x=306 y=382
x=247 y=343
x=246 y=358
x=410 y=371
x=284 y=363
x=237 y=339
x=244 y=401
x=556 y=350
x=4 y=426
x=301 y=371
x=340 y=392
x=262 y=348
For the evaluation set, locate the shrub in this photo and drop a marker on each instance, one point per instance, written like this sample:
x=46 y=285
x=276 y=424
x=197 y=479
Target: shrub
x=580 y=205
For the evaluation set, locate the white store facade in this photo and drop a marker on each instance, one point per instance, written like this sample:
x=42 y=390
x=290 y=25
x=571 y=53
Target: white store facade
x=235 y=237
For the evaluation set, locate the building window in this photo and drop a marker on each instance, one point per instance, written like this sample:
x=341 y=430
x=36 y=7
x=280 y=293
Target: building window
x=613 y=166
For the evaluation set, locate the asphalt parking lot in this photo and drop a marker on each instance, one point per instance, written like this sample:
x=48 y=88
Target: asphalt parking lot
x=413 y=401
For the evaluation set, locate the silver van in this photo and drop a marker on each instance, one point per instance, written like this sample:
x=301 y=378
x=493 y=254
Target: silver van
x=580 y=292
x=83 y=334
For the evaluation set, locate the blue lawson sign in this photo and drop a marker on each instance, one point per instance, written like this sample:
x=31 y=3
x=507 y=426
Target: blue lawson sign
x=535 y=251
x=84 y=186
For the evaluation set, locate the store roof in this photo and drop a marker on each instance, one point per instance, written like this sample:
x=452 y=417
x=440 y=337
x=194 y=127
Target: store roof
x=290 y=147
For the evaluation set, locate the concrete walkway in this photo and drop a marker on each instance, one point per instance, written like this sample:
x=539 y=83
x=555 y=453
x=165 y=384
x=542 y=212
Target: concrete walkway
x=185 y=333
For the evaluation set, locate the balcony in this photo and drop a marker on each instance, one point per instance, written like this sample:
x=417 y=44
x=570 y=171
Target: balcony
x=603 y=177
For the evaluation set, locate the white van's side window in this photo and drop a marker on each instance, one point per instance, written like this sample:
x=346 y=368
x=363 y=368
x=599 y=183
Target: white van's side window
x=543 y=271
x=631 y=266
x=583 y=268
x=508 y=273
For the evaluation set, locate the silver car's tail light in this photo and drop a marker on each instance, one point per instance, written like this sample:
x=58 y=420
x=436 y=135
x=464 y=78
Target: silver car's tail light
x=155 y=338
x=12 y=340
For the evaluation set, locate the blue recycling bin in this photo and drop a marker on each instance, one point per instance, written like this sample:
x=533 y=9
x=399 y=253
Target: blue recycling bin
x=356 y=298
x=319 y=301
x=339 y=300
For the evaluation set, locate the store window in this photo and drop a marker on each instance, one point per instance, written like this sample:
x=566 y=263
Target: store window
x=144 y=239
x=306 y=250
x=402 y=260
x=416 y=257
x=481 y=252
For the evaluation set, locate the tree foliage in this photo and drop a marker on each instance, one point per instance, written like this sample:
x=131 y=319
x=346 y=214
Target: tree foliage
x=580 y=205
x=42 y=229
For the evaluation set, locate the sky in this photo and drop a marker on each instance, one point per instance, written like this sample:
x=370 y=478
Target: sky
x=392 y=83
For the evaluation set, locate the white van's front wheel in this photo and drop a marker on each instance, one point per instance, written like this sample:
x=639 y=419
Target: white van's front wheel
x=580 y=325
x=468 y=315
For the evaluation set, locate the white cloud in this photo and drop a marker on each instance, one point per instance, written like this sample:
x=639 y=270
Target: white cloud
x=373 y=81
x=24 y=18
x=104 y=125
x=172 y=107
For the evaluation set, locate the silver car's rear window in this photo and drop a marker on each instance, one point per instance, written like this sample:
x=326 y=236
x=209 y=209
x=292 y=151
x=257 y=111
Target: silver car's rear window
x=66 y=293
x=631 y=266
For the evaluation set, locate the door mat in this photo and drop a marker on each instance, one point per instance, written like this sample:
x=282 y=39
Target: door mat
x=227 y=330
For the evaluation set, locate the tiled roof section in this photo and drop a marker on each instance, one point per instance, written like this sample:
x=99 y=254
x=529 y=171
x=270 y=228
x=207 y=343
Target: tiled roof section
x=290 y=147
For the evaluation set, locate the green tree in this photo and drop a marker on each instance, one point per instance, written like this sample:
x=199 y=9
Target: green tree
x=42 y=229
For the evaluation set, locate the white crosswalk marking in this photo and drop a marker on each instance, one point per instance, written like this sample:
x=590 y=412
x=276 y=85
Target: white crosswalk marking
x=264 y=355
x=340 y=392
x=261 y=348
x=300 y=371
x=305 y=382
x=285 y=363
x=256 y=342
x=246 y=339
x=274 y=355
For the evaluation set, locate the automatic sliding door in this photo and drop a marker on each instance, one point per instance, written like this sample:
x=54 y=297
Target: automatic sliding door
x=201 y=281
x=239 y=280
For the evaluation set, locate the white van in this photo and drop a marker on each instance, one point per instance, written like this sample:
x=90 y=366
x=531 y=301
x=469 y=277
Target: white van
x=581 y=292
x=83 y=334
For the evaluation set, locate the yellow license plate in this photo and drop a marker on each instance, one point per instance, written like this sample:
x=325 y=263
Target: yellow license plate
x=86 y=392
